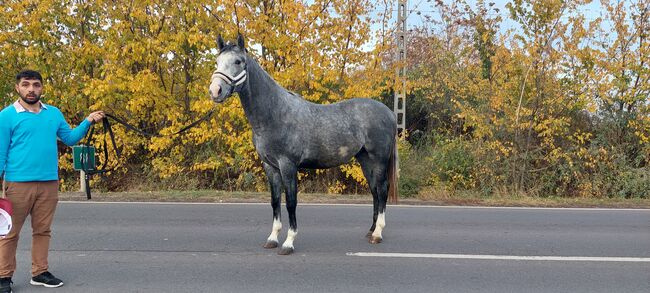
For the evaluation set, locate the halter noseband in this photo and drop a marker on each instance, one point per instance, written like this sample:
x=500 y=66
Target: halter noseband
x=234 y=82
x=231 y=81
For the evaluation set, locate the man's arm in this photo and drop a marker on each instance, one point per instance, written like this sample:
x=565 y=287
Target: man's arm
x=72 y=136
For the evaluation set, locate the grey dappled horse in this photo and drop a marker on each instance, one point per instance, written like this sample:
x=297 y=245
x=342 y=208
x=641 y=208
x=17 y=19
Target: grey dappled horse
x=291 y=133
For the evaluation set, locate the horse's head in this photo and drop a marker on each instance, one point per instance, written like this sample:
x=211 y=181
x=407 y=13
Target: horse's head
x=230 y=75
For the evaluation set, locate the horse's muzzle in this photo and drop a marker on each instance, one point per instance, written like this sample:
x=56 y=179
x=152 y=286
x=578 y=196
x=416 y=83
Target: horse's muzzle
x=216 y=94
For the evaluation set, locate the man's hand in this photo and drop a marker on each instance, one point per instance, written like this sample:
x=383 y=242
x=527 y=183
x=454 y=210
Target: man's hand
x=96 y=116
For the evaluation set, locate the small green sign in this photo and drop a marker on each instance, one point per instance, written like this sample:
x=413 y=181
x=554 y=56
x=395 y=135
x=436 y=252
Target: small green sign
x=89 y=157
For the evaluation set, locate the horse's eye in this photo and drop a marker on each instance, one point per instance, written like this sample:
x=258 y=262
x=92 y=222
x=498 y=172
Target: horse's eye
x=237 y=61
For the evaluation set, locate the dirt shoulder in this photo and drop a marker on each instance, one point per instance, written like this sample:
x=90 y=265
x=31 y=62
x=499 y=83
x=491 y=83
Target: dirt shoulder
x=214 y=196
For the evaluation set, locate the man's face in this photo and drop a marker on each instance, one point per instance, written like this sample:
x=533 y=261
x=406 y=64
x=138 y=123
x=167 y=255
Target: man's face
x=30 y=90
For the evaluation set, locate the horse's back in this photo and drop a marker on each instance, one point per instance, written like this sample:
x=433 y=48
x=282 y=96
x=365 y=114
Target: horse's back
x=373 y=121
x=332 y=134
x=376 y=119
x=360 y=111
x=372 y=111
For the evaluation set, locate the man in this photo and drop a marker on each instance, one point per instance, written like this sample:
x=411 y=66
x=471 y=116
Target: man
x=29 y=166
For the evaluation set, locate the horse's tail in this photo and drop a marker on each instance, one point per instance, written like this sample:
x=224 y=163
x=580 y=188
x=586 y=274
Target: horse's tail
x=392 y=173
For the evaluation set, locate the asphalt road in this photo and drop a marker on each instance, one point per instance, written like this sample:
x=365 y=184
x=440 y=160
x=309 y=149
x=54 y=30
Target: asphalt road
x=134 y=247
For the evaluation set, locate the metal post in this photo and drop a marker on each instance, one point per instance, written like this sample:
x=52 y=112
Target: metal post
x=82 y=181
x=400 y=83
x=399 y=106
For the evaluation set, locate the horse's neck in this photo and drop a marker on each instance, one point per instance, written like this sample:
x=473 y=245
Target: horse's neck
x=262 y=97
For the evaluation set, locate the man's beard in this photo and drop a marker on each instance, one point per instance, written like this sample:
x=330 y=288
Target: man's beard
x=30 y=99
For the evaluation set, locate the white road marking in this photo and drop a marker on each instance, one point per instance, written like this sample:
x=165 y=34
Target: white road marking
x=501 y=257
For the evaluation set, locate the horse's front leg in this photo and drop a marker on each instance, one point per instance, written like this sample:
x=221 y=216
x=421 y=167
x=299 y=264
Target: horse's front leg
x=275 y=182
x=289 y=173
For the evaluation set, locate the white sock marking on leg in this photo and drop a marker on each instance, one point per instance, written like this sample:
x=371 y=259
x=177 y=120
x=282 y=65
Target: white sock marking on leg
x=379 y=226
x=291 y=235
x=275 y=231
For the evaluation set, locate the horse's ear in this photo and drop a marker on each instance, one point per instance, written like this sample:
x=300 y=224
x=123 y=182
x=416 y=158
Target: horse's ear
x=240 y=41
x=220 y=43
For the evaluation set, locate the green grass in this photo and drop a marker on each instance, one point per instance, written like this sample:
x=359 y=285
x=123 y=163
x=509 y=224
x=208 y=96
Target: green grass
x=424 y=198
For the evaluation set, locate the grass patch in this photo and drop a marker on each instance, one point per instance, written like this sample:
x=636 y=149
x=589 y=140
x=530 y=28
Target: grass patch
x=426 y=197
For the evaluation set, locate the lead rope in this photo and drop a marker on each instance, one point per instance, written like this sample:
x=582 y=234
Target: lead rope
x=85 y=151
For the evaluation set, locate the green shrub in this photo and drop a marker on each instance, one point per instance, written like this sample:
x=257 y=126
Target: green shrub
x=633 y=183
x=413 y=168
x=453 y=162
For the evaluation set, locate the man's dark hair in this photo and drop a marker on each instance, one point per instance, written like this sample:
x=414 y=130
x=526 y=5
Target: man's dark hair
x=28 y=74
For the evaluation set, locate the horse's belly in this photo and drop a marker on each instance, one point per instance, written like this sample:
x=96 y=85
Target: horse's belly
x=329 y=159
x=320 y=164
x=313 y=164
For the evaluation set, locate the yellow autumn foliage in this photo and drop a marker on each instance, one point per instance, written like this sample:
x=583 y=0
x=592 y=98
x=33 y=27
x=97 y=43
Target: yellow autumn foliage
x=149 y=63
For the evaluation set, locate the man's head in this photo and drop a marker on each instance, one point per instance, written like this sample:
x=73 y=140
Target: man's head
x=29 y=85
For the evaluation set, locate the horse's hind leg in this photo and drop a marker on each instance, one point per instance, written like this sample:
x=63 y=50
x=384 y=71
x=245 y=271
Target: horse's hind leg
x=275 y=182
x=365 y=162
x=376 y=175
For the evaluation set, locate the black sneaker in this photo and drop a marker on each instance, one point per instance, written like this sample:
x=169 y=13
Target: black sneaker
x=5 y=285
x=46 y=279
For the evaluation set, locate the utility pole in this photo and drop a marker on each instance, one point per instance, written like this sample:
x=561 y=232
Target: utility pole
x=400 y=77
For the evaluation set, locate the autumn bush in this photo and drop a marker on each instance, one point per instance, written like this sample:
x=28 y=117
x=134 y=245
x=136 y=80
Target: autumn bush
x=557 y=105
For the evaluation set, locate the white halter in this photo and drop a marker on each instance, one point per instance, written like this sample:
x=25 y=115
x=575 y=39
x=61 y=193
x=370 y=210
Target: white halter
x=232 y=81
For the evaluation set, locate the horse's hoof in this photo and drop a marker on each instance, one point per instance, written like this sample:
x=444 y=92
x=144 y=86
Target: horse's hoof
x=285 y=251
x=271 y=244
x=375 y=240
x=369 y=234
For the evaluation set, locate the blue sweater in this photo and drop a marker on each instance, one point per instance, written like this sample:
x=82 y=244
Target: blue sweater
x=28 y=147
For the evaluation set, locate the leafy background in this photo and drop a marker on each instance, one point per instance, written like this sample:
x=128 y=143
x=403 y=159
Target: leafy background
x=559 y=107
